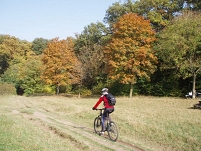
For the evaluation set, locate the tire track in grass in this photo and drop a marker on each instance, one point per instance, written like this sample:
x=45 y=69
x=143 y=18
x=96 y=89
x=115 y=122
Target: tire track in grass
x=122 y=143
x=89 y=134
x=79 y=135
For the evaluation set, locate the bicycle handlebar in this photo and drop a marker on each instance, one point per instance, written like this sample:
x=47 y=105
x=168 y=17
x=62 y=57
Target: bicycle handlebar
x=100 y=109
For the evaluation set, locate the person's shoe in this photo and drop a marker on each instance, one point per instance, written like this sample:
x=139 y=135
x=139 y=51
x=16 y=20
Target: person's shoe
x=101 y=133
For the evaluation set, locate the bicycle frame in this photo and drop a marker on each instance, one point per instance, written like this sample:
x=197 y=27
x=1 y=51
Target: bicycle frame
x=101 y=114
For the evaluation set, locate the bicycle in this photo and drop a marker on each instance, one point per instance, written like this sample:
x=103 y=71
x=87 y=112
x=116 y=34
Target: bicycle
x=111 y=127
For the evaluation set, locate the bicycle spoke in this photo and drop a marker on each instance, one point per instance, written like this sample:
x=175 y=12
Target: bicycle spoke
x=97 y=124
x=113 y=131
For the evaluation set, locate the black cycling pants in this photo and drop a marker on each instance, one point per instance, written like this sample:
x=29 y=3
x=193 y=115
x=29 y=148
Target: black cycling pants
x=107 y=111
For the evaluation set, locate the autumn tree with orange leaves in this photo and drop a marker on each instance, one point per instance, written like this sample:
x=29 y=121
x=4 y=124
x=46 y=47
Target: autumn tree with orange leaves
x=61 y=66
x=130 y=54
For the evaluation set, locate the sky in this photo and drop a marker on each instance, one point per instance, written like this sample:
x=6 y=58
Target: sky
x=30 y=19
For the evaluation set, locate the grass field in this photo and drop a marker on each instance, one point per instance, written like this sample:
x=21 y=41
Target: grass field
x=58 y=123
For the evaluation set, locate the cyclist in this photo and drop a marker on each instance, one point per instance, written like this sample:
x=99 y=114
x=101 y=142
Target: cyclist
x=108 y=109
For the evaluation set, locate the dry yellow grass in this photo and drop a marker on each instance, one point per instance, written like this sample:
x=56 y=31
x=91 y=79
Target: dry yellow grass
x=160 y=123
x=156 y=123
x=151 y=123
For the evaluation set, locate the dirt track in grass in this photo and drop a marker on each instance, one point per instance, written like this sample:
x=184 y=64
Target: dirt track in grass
x=81 y=136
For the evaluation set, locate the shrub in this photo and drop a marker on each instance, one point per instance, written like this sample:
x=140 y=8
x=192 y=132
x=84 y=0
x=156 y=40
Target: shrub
x=84 y=91
x=97 y=89
x=48 y=90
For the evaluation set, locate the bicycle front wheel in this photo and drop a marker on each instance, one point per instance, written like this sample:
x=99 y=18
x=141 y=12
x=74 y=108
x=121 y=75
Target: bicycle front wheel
x=97 y=125
x=113 y=132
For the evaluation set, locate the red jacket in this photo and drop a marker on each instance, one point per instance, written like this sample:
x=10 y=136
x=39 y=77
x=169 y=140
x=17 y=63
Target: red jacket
x=105 y=102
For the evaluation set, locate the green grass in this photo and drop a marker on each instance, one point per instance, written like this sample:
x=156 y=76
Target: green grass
x=18 y=134
x=152 y=123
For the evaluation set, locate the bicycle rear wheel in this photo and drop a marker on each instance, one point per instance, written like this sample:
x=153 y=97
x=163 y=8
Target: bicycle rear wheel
x=112 y=130
x=97 y=125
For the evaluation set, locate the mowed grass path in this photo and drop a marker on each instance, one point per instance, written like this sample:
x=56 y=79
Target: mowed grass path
x=151 y=123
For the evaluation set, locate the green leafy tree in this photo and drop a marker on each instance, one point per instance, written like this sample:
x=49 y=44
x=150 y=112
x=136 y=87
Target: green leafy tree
x=88 y=48
x=20 y=61
x=2 y=37
x=130 y=54
x=159 y=12
x=25 y=75
x=179 y=46
x=12 y=75
x=115 y=11
x=39 y=45
x=30 y=74
x=9 y=45
x=12 y=51
x=61 y=66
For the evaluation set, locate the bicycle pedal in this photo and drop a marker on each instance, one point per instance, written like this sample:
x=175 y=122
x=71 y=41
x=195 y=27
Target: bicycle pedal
x=101 y=133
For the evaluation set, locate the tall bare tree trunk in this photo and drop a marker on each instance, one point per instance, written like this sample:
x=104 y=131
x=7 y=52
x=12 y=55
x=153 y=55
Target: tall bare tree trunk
x=131 y=90
x=57 y=90
x=193 y=88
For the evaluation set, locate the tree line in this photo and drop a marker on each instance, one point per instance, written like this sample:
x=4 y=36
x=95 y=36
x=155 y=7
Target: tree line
x=142 y=47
